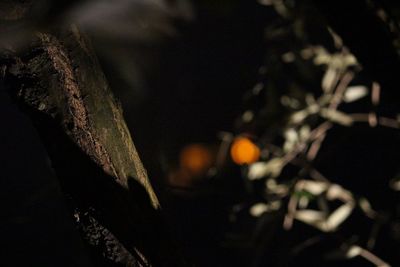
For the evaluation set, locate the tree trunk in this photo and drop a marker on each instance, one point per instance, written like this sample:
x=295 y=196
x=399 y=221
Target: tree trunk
x=58 y=82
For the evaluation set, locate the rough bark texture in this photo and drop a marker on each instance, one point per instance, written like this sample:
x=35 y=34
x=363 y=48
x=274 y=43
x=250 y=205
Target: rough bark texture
x=90 y=115
x=57 y=80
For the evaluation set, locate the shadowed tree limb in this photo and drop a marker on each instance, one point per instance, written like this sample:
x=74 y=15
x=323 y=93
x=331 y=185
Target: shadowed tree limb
x=57 y=80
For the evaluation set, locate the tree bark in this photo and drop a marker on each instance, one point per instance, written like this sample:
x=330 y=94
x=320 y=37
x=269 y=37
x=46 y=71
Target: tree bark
x=58 y=82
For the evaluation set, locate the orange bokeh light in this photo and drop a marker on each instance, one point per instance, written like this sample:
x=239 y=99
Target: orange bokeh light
x=196 y=159
x=244 y=151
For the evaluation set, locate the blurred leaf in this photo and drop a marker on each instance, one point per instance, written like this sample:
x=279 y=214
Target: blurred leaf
x=257 y=170
x=270 y=168
x=258 y=209
x=353 y=251
x=337 y=116
x=339 y=216
x=299 y=116
x=354 y=93
x=311 y=217
x=329 y=79
x=314 y=187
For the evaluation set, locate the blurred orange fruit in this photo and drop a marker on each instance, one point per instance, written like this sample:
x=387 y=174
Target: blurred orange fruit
x=244 y=151
x=196 y=159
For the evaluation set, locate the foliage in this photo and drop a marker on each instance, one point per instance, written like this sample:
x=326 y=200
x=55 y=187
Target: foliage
x=313 y=91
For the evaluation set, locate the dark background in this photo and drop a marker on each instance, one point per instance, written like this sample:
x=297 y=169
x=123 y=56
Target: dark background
x=194 y=83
